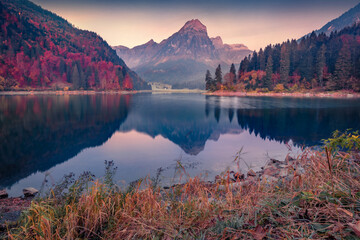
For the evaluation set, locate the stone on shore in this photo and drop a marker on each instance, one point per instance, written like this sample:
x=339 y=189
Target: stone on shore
x=238 y=176
x=274 y=172
x=30 y=192
x=3 y=194
x=275 y=161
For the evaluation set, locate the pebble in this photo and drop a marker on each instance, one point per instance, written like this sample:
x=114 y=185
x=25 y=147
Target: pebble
x=30 y=192
x=275 y=161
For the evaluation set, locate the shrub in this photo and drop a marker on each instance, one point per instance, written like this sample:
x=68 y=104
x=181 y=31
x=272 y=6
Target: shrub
x=346 y=141
x=279 y=88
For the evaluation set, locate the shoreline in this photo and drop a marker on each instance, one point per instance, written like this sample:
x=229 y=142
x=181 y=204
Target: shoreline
x=337 y=94
x=220 y=93
x=61 y=92
x=92 y=92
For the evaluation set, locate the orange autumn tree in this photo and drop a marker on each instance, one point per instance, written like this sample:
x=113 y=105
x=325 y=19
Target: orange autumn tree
x=127 y=85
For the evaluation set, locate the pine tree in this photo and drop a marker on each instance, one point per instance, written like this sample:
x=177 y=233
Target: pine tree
x=75 y=77
x=97 y=79
x=284 y=64
x=320 y=64
x=209 y=81
x=233 y=72
x=293 y=56
x=276 y=56
x=120 y=73
x=88 y=74
x=218 y=75
x=62 y=66
x=254 y=61
x=261 y=60
x=269 y=71
x=82 y=82
x=343 y=67
x=244 y=65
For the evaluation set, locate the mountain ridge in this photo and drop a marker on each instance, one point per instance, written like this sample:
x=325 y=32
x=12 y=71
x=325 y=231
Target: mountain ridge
x=346 y=19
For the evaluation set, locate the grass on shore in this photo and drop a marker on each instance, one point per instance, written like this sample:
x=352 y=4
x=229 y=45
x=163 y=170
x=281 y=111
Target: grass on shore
x=324 y=203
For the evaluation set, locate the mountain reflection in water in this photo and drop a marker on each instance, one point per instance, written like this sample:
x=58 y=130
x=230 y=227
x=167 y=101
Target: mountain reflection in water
x=42 y=132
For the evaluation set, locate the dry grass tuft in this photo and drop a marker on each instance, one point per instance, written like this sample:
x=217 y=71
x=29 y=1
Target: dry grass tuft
x=324 y=203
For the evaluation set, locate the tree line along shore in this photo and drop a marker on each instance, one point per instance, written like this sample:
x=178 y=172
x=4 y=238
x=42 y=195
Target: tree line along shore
x=317 y=62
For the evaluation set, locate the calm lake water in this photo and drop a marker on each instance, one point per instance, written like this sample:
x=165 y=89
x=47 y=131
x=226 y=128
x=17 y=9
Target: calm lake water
x=55 y=135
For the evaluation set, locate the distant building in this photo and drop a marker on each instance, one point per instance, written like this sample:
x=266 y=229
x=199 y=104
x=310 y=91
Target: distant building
x=159 y=86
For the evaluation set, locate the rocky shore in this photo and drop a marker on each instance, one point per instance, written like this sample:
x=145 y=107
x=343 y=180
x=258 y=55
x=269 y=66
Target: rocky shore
x=274 y=172
x=11 y=208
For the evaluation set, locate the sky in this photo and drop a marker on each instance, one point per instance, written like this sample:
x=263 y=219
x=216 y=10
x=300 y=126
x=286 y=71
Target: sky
x=255 y=23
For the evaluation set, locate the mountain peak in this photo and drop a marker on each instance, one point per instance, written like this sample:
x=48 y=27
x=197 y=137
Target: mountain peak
x=150 y=41
x=217 y=41
x=194 y=25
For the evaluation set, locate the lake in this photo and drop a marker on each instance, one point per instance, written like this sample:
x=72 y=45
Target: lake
x=53 y=135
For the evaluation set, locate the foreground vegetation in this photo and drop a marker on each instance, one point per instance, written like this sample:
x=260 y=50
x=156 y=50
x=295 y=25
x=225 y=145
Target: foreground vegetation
x=322 y=203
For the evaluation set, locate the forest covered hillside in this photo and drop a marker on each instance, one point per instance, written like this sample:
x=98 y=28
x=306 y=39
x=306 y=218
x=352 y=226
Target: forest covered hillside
x=316 y=62
x=40 y=50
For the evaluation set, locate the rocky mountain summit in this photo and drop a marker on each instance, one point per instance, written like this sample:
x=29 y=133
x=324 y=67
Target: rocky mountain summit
x=182 y=59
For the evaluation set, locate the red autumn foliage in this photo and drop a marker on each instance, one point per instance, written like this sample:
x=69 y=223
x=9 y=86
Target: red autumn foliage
x=38 y=49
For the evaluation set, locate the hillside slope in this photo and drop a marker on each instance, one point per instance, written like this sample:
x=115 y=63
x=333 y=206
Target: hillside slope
x=41 y=50
x=347 y=19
